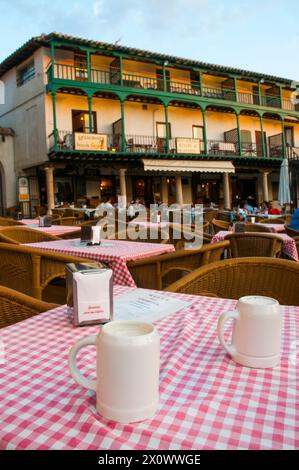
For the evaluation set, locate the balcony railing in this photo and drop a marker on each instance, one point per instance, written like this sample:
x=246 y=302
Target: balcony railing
x=138 y=144
x=113 y=77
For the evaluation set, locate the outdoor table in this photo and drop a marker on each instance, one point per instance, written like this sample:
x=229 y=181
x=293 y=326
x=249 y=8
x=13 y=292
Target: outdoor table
x=53 y=230
x=275 y=228
x=207 y=401
x=114 y=252
x=289 y=245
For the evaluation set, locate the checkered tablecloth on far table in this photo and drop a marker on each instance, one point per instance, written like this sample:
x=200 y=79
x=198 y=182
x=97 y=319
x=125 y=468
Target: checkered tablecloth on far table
x=275 y=228
x=53 y=230
x=114 y=252
x=206 y=400
x=288 y=247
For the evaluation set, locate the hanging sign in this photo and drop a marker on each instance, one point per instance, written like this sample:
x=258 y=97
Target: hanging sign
x=93 y=142
x=23 y=189
x=186 y=145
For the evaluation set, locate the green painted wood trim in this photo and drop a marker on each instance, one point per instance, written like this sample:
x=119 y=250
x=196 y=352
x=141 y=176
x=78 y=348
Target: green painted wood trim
x=164 y=78
x=54 y=118
x=280 y=96
x=90 y=117
x=235 y=89
x=200 y=81
x=283 y=140
x=264 y=153
x=204 y=124
x=123 y=129
x=121 y=70
x=239 y=134
x=88 y=65
x=167 y=127
x=260 y=93
x=52 y=61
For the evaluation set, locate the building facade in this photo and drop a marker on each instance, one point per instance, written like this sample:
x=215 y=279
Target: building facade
x=95 y=120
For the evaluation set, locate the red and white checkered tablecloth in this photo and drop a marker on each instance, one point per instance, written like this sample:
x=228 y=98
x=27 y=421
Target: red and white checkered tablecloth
x=114 y=252
x=289 y=245
x=53 y=230
x=206 y=400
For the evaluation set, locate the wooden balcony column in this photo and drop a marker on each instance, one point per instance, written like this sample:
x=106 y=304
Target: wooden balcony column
x=88 y=65
x=123 y=130
x=167 y=127
x=264 y=153
x=226 y=191
x=205 y=142
x=239 y=133
x=49 y=170
x=90 y=117
x=55 y=133
x=283 y=141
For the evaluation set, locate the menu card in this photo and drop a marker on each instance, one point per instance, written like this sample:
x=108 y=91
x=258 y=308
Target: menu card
x=148 y=305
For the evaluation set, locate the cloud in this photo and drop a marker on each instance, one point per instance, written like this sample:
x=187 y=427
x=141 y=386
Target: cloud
x=98 y=7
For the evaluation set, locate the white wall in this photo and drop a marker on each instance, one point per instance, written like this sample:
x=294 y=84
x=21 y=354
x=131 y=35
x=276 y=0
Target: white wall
x=7 y=164
x=24 y=112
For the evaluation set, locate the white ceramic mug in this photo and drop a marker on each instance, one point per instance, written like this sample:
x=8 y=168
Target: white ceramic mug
x=256 y=334
x=128 y=362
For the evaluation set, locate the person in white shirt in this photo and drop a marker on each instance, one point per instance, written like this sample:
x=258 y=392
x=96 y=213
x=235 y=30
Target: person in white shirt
x=103 y=207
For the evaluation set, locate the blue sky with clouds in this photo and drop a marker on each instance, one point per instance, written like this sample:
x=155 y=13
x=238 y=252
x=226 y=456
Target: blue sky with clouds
x=258 y=35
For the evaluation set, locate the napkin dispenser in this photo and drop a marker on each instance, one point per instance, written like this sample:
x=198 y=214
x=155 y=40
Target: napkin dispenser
x=89 y=293
x=91 y=234
x=45 y=221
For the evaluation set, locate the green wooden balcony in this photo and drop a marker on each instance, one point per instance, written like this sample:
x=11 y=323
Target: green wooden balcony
x=113 y=78
x=66 y=142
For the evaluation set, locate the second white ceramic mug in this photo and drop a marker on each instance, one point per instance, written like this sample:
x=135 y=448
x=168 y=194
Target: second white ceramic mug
x=128 y=363
x=256 y=334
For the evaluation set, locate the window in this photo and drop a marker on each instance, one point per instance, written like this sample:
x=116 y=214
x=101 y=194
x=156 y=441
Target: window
x=25 y=74
x=81 y=121
x=161 y=130
x=197 y=132
x=81 y=67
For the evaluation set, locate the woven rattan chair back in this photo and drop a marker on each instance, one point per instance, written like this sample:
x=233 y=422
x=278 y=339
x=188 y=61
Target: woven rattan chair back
x=30 y=270
x=256 y=228
x=5 y=221
x=15 y=307
x=20 y=235
x=219 y=225
x=254 y=244
x=234 y=278
x=160 y=271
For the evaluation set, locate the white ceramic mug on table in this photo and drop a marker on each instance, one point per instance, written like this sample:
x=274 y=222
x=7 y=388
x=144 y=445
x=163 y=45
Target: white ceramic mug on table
x=128 y=362
x=256 y=334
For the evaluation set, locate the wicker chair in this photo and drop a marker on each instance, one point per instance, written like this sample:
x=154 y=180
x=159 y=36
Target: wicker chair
x=15 y=307
x=210 y=215
x=256 y=228
x=159 y=271
x=291 y=231
x=276 y=220
x=67 y=221
x=254 y=244
x=21 y=235
x=6 y=221
x=219 y=225
x=31 y=270
x=234 y=278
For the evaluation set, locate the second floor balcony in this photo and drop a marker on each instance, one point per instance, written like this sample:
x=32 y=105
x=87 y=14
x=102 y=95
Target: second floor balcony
x=103 y=143
x=111 y=77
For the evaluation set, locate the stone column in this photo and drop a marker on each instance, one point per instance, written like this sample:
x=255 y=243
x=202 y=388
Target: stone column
x=179 y=190
x=122 y=184
x=50 y=188
x=226 y=191
x=164 y=195
x=265 y=186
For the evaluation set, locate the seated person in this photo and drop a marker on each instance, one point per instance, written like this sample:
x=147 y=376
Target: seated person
x=105 y=206
x=295 y=220
x=273 y=210
x=264 y=208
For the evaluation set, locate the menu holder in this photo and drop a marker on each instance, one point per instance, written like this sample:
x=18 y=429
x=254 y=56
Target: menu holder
x=45 y=221
x=91 y=235
x=89 y=293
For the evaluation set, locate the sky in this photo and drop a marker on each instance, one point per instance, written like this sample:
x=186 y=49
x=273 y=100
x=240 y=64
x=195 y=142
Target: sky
x=256 y=35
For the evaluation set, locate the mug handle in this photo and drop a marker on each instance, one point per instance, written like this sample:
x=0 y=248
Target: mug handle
x=76 y=374
x=234 y=314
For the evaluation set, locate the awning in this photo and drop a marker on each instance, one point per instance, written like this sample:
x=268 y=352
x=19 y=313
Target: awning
x=189 y=166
